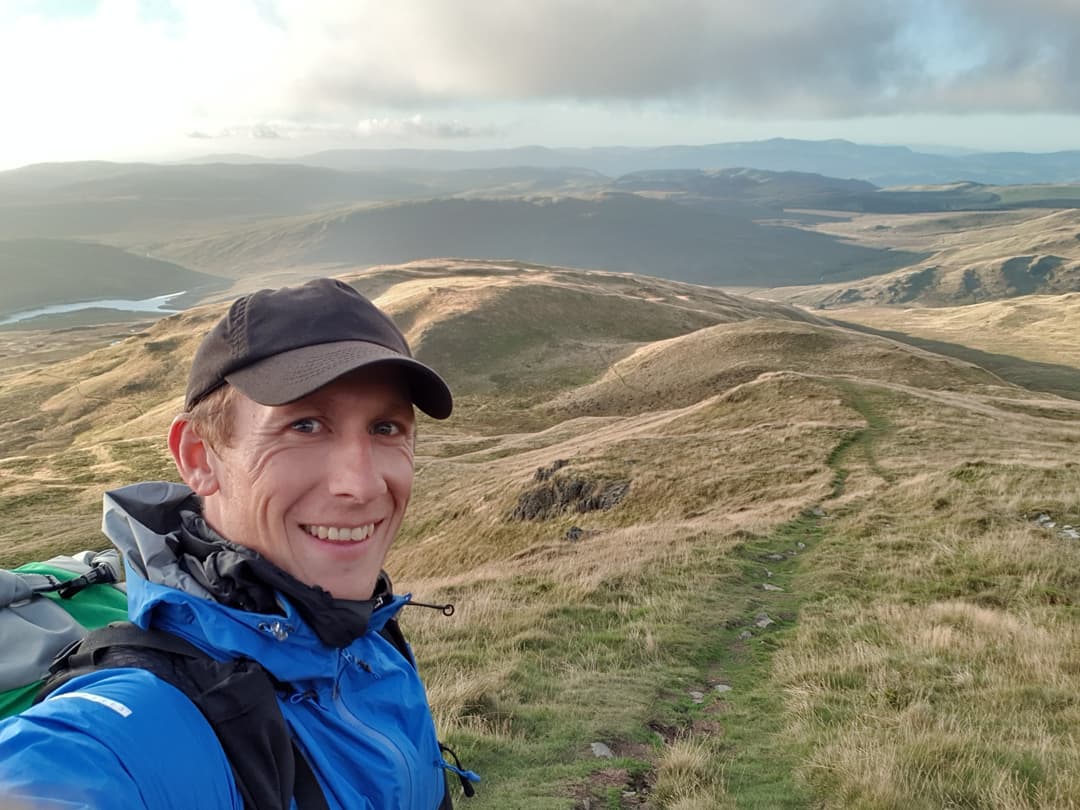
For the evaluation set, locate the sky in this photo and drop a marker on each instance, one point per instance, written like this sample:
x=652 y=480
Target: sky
x=172 y=79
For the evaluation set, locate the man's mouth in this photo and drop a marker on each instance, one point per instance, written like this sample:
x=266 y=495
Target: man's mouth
x=340 y=534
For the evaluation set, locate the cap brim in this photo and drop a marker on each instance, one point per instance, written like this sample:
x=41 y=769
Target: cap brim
x=290 y=375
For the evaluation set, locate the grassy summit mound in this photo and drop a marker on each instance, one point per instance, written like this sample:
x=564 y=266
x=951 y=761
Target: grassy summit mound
x=690 y=367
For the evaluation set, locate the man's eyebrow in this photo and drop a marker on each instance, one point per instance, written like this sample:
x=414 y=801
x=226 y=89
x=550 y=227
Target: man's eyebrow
x=302 y=405
x=403 y=404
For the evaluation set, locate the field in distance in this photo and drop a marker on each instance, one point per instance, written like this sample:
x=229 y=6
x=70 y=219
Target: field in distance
x=766 y=561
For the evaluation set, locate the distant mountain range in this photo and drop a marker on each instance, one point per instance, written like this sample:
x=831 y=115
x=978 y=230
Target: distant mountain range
x=736 y=215
x=881 y=165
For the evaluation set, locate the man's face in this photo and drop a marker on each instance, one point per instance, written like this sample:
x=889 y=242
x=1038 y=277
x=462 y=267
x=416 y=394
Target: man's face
x=319 y=486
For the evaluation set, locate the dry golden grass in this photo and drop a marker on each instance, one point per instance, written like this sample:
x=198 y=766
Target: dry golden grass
x=689 y=777
x=930 y=655
x=1035 y=327
x=689 y=469
x=971 y=258
x=943 y=667
x=689 y=368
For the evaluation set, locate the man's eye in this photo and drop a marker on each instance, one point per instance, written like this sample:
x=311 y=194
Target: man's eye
x=386 y=429
x=306 y=426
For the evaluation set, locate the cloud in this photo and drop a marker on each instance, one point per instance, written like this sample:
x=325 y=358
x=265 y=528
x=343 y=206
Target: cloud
x=419 y=126
x=264 y=132
x=1028 y=56
x=388 y=130
x=813 y=58
x=428 y=69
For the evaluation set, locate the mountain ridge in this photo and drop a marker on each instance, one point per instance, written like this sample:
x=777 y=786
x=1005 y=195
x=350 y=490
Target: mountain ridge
x=883 y=165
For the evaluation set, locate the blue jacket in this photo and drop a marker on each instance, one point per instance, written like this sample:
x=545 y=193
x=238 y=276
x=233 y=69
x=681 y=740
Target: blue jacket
x=124 y=738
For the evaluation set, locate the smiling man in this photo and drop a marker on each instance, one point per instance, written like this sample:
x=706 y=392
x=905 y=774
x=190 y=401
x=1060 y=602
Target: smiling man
x=296 y=449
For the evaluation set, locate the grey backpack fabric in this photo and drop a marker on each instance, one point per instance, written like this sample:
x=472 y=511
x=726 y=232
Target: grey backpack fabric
x=38 y=628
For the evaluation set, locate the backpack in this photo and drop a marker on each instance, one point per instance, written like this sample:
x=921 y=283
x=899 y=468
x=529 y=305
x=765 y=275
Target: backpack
x=71 y=617
x=46 y=606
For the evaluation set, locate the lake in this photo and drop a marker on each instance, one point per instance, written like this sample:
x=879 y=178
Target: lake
x=157 y=304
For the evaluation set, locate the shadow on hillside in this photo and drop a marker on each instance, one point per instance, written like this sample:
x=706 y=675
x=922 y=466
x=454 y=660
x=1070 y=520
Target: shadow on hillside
x=1050 y=378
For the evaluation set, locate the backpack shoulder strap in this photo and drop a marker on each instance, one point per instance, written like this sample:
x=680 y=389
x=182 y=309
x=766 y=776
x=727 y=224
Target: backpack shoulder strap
x=238 y=699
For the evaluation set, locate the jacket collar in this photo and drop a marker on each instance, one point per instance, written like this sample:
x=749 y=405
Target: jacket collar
x=168 y=546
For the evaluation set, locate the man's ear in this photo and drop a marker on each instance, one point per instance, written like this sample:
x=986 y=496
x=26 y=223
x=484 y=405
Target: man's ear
x=194 y=457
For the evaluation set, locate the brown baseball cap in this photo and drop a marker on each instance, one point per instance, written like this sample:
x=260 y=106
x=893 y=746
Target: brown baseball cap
x=279 y=345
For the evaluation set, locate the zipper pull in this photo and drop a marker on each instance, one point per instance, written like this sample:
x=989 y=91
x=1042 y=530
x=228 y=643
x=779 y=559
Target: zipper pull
x=465 y=777
x=352 y=660
x=445 y=610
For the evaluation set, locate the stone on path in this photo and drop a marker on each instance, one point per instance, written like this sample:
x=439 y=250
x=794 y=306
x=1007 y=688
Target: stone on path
x=722 y=687
x=762 y=620
x=696 y=696
x=601 y=751
x=768 y=587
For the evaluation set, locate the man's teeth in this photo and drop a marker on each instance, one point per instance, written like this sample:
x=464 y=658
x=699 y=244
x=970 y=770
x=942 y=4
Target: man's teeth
x=341 y=533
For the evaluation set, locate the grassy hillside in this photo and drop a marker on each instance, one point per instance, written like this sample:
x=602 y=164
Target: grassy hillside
x=1036 y=327
x=125 y=203
x=969 y=258
x=767 y=562
x=620 y=232
x=1029 y=340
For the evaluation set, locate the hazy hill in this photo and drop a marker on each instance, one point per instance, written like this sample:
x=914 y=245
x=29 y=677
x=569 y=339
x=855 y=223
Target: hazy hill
x=248 y=187
x=882 y=165
x=134 y=202
x=39 y=272
x=767 y=561
x=794 y=190
x=740 y=189
x=788 y=189
x=621 y=232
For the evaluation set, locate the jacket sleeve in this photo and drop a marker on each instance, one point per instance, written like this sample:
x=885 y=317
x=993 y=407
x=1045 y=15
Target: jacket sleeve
x=114 y=738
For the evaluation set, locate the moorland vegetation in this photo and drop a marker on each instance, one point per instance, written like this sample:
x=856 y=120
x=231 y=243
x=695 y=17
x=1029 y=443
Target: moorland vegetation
x=781 y=563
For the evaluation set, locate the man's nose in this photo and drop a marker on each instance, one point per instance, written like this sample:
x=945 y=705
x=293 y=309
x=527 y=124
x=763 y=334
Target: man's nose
x=353 y=469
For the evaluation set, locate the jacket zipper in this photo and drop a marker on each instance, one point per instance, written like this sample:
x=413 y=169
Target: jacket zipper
x=381 y=739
